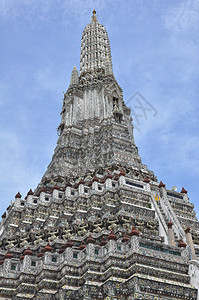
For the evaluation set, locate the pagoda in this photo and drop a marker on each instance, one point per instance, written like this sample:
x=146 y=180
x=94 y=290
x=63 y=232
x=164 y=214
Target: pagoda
x=99 y=225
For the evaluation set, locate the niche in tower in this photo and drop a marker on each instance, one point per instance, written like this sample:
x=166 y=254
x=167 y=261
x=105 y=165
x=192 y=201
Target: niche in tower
x=116 y=112
x=115 y=103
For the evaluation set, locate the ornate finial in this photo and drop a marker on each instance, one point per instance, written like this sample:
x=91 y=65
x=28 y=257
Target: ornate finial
x=94 y=17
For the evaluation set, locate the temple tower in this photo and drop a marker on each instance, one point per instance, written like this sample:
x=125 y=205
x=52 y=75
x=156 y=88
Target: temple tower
x=96 y=128
x=99 y=225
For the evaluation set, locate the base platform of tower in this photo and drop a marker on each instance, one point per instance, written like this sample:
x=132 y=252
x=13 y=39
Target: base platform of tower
x=99 y=225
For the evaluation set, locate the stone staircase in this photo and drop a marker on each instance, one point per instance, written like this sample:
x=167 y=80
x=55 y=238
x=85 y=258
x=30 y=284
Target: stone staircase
x=166 y=220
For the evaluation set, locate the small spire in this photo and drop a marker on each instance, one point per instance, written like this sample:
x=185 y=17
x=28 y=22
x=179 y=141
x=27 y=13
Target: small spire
x=161 y=184
x=74 y=76
x=170 y=224
x=182 y=244
x=187 y=230
x=18 y=195
x=183 y=191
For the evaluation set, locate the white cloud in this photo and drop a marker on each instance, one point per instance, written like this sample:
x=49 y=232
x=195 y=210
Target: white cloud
x=13 y=154
x=17 y=172
x=169 y=134
x=182 y=23
x=183 y=18
x=16 y=10
x=47 y=77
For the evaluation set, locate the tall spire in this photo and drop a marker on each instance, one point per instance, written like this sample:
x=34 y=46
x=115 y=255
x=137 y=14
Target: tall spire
x=95 y=47
x=94 y=111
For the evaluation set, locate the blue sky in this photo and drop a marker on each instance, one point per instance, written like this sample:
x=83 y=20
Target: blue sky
x=154 y=51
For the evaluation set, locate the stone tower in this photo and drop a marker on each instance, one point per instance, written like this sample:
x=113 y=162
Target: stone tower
x=99 y=225
x=96 y=128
